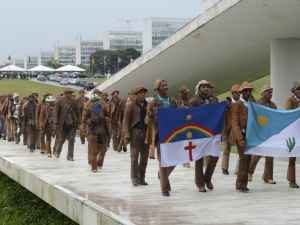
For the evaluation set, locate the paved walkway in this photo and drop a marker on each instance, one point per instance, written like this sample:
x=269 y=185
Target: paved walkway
x=111 y=189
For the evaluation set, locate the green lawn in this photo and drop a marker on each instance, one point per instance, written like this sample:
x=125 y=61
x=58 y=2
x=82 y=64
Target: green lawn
x=25 y=87
x=97 y=80
x=20 y=207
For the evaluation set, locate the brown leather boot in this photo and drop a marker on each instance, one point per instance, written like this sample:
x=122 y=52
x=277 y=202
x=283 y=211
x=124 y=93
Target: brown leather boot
x=94 y=166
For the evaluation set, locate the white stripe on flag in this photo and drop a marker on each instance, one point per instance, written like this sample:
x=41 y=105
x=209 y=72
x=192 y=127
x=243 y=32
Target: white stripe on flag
x=177 y=153
x=277 y=145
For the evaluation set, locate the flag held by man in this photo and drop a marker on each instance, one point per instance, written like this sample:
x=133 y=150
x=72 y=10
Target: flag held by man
x=188 y=134
x=272 y=132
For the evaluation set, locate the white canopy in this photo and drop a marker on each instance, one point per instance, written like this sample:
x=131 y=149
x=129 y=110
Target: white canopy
x=12 y=68
x=41 y=68
x=70 y=68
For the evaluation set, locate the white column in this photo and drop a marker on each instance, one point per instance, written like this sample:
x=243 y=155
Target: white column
x=285 y=67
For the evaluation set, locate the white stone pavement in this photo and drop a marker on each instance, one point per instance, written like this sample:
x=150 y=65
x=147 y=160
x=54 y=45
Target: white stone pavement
x=108 y=197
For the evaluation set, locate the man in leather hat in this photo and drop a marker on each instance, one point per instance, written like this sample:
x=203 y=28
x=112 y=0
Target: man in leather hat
x=47 y=123
x=114 y=110
x=265 y=100
x=183 y=101
x=239 y=126
x=94 y=119
x=30 y=122
x=134 y=128
x=227 y=133
x=81 y=100
x=67 y=122
x=203 y=96
x=293 y=102
x=161 y=100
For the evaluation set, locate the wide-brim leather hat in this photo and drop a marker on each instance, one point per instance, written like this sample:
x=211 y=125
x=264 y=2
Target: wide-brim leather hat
x=246 y=86
x=235 y=88
x=183 y=89
x=139 y=90
x=68 y=91
x=266 y=88
x=296 y=86
x=158 y=83
x=205 y=82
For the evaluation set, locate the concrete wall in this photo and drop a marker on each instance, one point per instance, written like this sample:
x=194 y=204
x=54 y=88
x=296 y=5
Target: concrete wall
x=285 y=67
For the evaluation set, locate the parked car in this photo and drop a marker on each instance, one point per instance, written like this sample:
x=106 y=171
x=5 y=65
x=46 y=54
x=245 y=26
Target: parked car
x=64 y=81
x=74 y=75
x=73 y=81
x=58 y=79
x=41 y=78
x=82 y=83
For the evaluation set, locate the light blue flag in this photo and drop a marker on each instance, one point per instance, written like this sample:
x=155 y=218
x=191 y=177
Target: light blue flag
x=273 y=132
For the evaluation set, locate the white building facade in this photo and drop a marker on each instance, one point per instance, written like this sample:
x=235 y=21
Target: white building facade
x=84 y=50
x=45 y=57
x=20 y=62
x=156 y=30
x=120 y=40
x=65 y=54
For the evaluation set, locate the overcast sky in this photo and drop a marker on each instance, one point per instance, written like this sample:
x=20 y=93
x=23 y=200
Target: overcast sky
x=29 y=26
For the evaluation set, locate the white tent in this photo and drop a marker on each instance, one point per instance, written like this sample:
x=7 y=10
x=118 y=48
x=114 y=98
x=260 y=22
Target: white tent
x=12 y=68
x=41 y=68
x=70 y=68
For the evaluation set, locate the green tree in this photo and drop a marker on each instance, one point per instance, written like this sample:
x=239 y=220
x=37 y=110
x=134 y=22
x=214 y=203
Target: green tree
x=111 y=61
x=53 y=63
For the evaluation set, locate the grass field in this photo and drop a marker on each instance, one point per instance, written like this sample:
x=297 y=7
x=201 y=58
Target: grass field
x=25 y=87
x=20 y=207
x=97 y=80
x=17 y=205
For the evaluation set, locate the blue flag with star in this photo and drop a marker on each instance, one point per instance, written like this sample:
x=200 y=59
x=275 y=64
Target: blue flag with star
x=272 y=132
x=187 y=134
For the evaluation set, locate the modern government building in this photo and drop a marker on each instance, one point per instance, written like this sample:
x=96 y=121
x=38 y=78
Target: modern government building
x=78 y=52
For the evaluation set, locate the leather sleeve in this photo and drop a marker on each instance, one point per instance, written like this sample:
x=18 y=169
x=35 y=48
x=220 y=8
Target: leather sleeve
x=127 y=120
x=235 y=124
x=85 y=115
x=289 y=104
x=57 y=112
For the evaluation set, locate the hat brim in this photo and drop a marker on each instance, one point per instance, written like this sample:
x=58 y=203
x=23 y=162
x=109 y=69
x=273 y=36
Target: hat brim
x=268 y=89
x=206 y=84
x=247 y=88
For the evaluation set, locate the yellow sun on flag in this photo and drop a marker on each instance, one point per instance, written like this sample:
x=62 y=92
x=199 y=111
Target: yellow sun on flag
x=262 y=120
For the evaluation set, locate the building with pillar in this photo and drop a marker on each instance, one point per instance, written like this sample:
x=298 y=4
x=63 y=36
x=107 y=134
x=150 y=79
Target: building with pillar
x=229 y=42
x=120 y=40
x=84 y=50
x=65 y=54
x=45 y=57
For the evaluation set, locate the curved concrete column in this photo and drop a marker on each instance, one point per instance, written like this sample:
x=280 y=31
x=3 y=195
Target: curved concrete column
x=285 y=67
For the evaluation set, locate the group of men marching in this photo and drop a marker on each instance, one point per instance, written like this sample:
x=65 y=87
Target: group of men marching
x=46 y=123
x=140 y=129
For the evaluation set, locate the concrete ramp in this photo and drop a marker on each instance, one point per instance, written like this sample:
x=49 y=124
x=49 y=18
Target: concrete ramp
x=108 y=198
x=227 y=43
